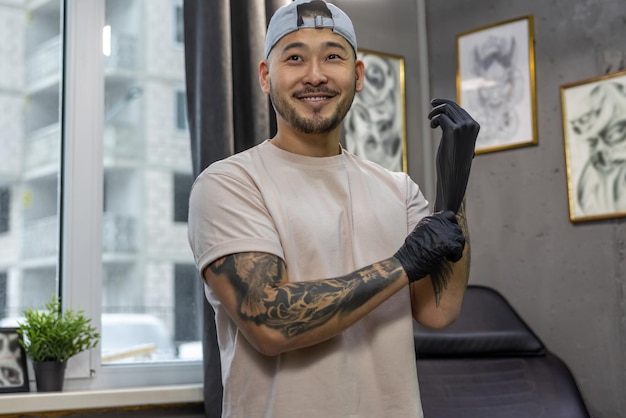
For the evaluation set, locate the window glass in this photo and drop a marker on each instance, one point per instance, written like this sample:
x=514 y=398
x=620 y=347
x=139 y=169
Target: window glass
x=181 y=110
x=30 y=74
x=179 y=29
x=3 y=294
x=5 y=206
x=182 y=188
x=152 y=296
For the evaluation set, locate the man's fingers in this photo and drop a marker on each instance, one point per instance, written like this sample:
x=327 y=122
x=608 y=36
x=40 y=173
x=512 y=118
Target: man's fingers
x=438 y=101
x=441 y=120
x=450 y=108
x=449 y=215
x=437 y=109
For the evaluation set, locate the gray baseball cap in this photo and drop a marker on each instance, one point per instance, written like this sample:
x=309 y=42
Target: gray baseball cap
x=286 y=20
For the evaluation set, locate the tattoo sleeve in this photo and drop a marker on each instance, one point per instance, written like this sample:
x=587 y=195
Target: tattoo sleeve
x=462 y=219
x=441 y=276
x=295 y=308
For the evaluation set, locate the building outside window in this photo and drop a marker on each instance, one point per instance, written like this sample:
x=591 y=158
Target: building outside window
x=181 y=110
x=30 y=76
x=5 y=207
x=182 y=188
x=179 y=30
x=144 y=240
x=144 y=279
x=3 y=294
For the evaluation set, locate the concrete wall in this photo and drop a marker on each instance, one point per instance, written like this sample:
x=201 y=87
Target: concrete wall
x=567 y=281
x=392 y=27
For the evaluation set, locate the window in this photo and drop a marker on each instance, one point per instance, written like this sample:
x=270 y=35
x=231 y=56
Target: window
x=181 y=110
x=146 y=258
x=5 y=200
x=188 y=288
x=30 y=140
x=182 y=188
x=4 y=308
x=99 y=229
x=179 y=33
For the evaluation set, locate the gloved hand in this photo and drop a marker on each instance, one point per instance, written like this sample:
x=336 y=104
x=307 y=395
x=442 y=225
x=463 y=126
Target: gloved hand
x=434 y=238
x=455 y=153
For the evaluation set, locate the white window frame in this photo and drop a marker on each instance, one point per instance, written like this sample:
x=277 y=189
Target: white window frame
x=82 y=185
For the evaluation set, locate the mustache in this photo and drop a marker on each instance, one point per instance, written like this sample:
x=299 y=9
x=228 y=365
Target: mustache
x=316 y=90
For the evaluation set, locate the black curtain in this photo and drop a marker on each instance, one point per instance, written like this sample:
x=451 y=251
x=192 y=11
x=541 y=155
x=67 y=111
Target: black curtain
x=227 y=111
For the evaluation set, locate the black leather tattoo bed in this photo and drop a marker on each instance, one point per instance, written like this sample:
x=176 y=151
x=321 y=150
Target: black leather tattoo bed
x=490 y=364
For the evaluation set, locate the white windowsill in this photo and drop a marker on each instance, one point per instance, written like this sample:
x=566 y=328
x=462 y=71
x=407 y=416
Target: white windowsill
x=93 y=399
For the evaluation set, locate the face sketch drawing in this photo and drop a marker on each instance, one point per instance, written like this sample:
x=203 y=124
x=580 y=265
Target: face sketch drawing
x=11 y=373
x=499 y=89
x=373 y=127
x=599 y=124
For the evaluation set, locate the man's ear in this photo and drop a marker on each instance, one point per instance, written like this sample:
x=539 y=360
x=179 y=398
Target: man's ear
x=360 y=75
x=264 y=76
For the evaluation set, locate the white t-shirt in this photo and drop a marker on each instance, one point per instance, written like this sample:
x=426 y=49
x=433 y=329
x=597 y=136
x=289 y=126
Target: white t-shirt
x=325 y=217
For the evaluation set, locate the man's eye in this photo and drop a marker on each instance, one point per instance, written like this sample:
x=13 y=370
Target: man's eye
x=333 y=56
x=294 y=58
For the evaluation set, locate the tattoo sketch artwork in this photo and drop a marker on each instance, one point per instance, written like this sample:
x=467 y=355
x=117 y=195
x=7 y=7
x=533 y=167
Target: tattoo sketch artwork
x=500 y=90
x=12 y=364
x=295 y=308
x=496 y=83
x=374 y=126
x=595 y=121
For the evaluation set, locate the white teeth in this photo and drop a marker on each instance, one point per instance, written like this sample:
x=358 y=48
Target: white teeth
x=313 y=99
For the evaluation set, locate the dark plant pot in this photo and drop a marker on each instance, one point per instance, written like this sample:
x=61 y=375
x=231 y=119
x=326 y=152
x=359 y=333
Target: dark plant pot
x=49 y=375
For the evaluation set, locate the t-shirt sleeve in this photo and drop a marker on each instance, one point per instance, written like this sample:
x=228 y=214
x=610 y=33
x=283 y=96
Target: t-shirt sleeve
x=227 y=215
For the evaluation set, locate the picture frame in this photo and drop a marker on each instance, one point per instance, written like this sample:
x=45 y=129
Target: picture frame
x=375 y=126
x=594 y=135
x=13 y=364
x=496 y=83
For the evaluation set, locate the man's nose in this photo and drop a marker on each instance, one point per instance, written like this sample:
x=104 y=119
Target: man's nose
x=315 y=73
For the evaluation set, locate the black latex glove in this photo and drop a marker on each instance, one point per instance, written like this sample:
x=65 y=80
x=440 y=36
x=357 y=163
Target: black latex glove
x=455 y=153
x=434 y=238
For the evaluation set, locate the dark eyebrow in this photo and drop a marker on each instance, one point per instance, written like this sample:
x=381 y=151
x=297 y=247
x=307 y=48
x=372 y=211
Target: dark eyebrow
x=332 y=44
x=293 y=45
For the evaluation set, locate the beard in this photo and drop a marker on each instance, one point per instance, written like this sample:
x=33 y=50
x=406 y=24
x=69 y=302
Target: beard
x=317 y=124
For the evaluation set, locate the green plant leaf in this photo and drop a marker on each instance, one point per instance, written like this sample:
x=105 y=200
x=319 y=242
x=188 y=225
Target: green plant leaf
x=52 y=335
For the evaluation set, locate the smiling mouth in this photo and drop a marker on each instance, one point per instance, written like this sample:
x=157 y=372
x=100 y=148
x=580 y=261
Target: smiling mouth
x=315 y=95
x=314 y=99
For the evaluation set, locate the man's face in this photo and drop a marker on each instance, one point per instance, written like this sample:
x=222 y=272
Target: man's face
x=311 y=77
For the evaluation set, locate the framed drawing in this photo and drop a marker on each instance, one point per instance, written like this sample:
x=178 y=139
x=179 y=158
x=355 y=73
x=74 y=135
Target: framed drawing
x=594 y=132
x=13 y=368
x=496 y=83
x=375 y=126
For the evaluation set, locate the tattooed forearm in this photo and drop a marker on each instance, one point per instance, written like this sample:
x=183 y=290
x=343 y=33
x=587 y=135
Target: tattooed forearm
x=462 y=219
x=441 y=276
x=294 y=308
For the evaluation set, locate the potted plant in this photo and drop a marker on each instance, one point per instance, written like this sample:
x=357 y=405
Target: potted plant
x=50 y=337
